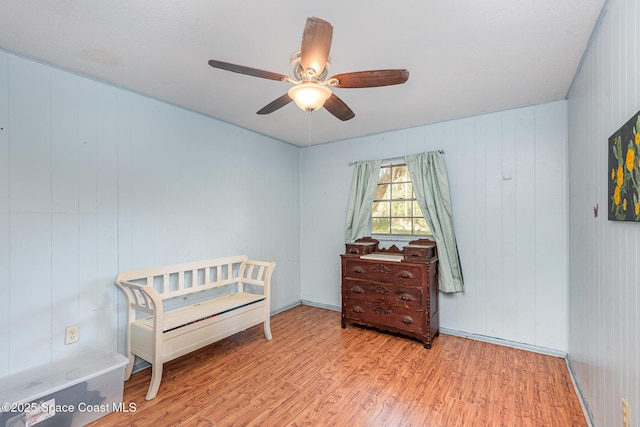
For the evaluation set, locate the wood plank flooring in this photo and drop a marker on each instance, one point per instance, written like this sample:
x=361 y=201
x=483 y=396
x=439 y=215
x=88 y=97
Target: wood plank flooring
x=314 y=373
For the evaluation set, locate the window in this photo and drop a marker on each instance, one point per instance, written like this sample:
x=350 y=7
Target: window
x=395 y=208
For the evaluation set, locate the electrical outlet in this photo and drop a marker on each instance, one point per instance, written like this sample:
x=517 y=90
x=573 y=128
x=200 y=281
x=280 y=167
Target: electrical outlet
x=71 y=334
x=625 y=413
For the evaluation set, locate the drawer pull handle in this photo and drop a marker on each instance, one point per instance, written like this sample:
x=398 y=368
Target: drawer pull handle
x=382 y=311
x=358 y=269
x=357 y=309
x=407 y=320
x=407 y=297
x=380 y=289
x=357 y=290
x=406 y=275
x=353 y=251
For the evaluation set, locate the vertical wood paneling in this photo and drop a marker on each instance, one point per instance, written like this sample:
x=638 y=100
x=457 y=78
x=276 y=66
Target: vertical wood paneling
x=125 y=118
x=87 y=148
x=479 y=196
x=64 y=142
x=5 y=290
x=4 y=132
x=64 y=210
x=5 y=224
x=64 y=282
x=103 y=106
x=136 y=181
x=30 y=296
x=30 y=124
x=30 y=204
x=461 y=190
x=550 y=216
x=525 y=231
x=603 y=266
x=494 y=236
x=91 y=290
x=510 y=238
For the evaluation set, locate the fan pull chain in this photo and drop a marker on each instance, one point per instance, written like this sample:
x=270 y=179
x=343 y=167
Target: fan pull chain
x=309 y=127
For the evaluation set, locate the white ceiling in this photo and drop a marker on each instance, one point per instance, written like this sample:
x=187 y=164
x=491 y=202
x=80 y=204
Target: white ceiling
x=465 y=57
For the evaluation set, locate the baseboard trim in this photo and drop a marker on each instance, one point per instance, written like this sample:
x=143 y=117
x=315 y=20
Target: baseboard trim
x=583 y=402
x=319 y=305
x=285 y=308
x=506 y=343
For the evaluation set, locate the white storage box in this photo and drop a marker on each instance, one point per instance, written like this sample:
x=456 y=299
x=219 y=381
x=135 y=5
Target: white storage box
x=70 y=392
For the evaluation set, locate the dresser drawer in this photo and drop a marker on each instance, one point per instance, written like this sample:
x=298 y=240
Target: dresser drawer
x=389 y=272
x=418 y=253
x=361 y=248
x=409 y=297
x=381 y=315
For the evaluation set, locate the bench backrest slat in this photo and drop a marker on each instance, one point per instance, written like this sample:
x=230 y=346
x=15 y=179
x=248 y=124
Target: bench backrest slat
x=165 y=283
x=168 y=269
x=228 y=271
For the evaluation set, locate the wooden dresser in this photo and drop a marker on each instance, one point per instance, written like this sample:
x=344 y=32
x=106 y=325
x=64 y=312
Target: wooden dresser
x=393 y=290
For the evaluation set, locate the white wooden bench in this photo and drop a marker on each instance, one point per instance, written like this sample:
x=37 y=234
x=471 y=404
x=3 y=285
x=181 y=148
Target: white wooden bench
x=230 y=295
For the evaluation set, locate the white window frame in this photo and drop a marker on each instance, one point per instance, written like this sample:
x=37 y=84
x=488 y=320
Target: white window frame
x=396 y=237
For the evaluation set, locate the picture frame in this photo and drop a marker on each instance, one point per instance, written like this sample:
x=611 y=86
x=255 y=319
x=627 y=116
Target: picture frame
x=623 y=175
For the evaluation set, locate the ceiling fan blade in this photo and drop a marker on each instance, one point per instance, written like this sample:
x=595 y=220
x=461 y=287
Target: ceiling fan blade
x=275 y=104
x=316 y=43
x=247 y=70
x=373 y=78
x=338 y=108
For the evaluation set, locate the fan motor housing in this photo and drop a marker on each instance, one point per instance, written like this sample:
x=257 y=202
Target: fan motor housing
x=301 y=74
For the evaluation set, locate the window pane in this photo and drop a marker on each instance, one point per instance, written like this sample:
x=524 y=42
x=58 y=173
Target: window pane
x=383 y=192
x=402 y=208
x=401 y=174
x=384 y=175
x=402 y=191
x=380 y=209
x=380 y=226
x=420 y=226
x=400 y=225
x=416 y=210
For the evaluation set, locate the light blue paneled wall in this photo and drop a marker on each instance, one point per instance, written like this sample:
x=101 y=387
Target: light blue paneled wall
x=5 y=223
x=604 y=325
x=96 y=180
x=507 y=175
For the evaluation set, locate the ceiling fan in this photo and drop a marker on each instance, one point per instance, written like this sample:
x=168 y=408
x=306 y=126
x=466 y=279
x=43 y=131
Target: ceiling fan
x=312 y=88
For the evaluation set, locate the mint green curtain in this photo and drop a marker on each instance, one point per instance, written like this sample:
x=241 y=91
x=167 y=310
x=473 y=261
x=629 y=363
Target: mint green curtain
x=363 y=189
x=431 y=186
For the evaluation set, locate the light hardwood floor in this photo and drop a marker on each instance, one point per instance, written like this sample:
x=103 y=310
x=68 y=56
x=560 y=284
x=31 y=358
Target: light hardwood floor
x=315 y=373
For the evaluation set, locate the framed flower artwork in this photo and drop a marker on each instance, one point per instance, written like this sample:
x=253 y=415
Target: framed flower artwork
x=624 y=172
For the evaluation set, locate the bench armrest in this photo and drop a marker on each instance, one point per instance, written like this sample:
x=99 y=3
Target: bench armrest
x=141 y=297
x=257 y=273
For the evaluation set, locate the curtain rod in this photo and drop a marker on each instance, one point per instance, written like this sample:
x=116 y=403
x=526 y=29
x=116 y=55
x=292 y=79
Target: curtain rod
x=394 y=158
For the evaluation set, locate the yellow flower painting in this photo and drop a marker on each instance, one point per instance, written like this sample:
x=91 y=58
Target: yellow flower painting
x=624 y=164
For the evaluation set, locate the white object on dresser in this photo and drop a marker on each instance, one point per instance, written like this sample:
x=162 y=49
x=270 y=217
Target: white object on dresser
x=240 y=299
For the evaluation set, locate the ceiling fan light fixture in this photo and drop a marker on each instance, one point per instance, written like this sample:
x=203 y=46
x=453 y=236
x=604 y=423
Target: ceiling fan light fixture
x=310 y=65
x=309 y=96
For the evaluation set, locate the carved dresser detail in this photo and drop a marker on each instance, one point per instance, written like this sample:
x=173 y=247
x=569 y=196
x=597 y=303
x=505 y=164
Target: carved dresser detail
x=393 y=290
